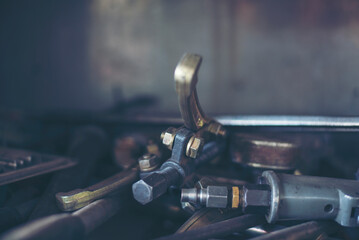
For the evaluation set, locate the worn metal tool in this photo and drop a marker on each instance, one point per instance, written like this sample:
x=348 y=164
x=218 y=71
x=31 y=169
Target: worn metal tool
x=287 y=197
x=186 y=142
x=88 y=145
x=79 y=198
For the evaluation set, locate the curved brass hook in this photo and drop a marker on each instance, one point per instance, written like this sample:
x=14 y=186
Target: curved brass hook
x=186 y=79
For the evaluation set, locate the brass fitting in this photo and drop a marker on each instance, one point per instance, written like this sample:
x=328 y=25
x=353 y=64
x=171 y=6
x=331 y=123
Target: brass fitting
x=168 y=137
x=148 y=162
x=194 y=147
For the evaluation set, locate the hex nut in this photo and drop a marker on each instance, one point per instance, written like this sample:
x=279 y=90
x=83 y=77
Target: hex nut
x=148 y=162
x=194 y=147
x=256 y=195
x=168 y=137
x=217 y=196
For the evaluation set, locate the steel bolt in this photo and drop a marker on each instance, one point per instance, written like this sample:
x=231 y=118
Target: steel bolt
x=194 y=147
x=154 y=185
x=148 y=162
x=168 y=137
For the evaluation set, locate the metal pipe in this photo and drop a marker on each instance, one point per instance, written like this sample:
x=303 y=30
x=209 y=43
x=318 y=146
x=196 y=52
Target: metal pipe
x=308 y=230
x=219 y=229
x=68 y=226
x=289 y=121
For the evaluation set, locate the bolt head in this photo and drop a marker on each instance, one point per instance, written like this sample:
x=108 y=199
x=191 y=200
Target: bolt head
x=168 y=137
x=149 y=188
x=148 y=162
x=142 y=192
x=194 y=147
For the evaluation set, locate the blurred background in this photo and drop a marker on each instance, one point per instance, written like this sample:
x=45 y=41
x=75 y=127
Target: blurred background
x=260 y=57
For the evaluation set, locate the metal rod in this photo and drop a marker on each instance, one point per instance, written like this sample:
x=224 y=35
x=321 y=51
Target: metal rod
x=308 y=230
x=69 y=226
x=289 y=121
x=219 y=229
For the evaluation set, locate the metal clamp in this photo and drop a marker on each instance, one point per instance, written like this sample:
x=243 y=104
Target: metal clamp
x=186 y=143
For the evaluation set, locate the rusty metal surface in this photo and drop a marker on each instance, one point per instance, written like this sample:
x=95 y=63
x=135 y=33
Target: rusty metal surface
x=256 y=150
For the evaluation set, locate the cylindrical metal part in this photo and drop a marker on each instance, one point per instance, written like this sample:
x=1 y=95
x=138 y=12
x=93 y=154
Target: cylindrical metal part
x=189 y=195
x=219 y=229
x=211 y=196
x=308 y=230
x=306 y=197
x=195 y=196
x=98 y=213
x=57 y=226
x=66 y=225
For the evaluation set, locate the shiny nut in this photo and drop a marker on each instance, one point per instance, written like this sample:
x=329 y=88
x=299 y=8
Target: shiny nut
x=217 y=196
x=168 y=137
x=194 y=147
x=148 y=162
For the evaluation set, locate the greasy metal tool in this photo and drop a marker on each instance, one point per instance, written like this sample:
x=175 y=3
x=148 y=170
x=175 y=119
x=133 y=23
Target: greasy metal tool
x=79 y=198
x=287 y=197
x=88 y=145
